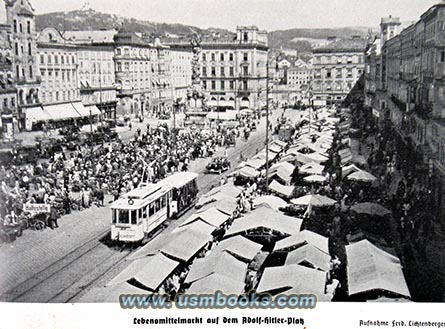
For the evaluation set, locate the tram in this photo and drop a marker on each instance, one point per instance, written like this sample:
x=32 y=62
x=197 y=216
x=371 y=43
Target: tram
x=143 y=209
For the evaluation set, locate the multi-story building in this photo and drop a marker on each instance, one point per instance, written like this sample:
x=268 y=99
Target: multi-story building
x=96 y=70
x=20 y=16
x=299 y=75
x=181 y=71
x=408 y=75
x=233 y=68
x=337 y=67
x=8 y=91
x=142 y=74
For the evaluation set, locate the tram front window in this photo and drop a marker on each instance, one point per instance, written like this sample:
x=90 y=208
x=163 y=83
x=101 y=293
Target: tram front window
x=134 y=216
x=124 y=217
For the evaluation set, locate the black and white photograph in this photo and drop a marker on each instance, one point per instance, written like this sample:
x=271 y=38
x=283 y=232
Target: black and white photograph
x=271 y=154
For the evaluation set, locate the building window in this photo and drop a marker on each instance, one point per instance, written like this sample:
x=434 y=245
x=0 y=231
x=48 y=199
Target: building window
x=204 y=84
x=49 y=59
x=245 y=70
x=119 y=67
x=56 y=59
x=231 y=71
x=245 y=56
x=31 y=73
x=16 y=48
x=244 y=85
x=21 y=27
x=213 y=57
x=204 y=57
x=213 y=84
x=442 y=56
x=29 y=49
x=213 y=71
x=231 y=57
x=223 y=85
x=223 y=72
x=204 y=71
x=232 y=85
x=42 y=59
x=28 y=26
x=15 y=26
x=222 y=57
x=57 y=96
x=126 y=66
x=245 y=36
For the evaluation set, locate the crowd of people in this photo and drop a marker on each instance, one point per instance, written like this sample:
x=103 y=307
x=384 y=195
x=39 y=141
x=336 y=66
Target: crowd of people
x=73 y=180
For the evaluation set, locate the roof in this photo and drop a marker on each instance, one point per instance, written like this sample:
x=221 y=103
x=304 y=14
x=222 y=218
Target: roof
x=217 y=282
x=239 y=246
x=221 y=263
x=310 y=255
x=149 y=271
x=343 y=45
x=211 y=216
x=267 y=218
x=280 y=189
x=110 y=294
x=180 y=179
x=97 y=36
x=226 y=205
x=272 y=201
x=302 y=279
x=370 y=268
x=302 y=238
x=185 y=243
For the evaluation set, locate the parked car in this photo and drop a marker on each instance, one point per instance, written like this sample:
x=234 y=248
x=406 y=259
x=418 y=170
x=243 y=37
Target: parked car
x=218 y=165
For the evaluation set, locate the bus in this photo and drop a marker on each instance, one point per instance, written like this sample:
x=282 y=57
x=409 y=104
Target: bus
x=143 y=209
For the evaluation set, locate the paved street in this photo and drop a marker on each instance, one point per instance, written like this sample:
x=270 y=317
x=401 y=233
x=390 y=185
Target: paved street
x=35 y=251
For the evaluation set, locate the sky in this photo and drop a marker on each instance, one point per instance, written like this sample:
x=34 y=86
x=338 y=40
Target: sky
x=266 y=14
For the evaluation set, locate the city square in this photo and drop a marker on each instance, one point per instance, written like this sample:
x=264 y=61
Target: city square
x=141 y=163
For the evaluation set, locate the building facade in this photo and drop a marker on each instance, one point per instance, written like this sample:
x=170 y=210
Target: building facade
x=406 y=86
x=181 y=72
x=336 y=68
x=96 y=70
x=8 y=91
x=233 y=68
x=24 y=55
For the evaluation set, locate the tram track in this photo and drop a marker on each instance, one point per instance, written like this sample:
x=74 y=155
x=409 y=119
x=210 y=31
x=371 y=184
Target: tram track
x=83 y=266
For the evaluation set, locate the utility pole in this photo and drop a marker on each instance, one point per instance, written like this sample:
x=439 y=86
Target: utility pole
x=267 y=125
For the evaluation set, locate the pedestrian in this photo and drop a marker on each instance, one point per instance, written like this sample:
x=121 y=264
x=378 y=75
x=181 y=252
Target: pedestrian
x=53 y=217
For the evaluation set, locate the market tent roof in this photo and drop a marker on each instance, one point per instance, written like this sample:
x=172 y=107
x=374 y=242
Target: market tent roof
x=211 y=216
x=110 y=294
x=302 y=279
x=370 y=208
x=308 y=254
x=280 y=189
x=248 y=172
x=149 y=271
x=185 y=244
x=215 y=282
x=346 y=170
x=256 y=163
x=226 y=205
x=267 y=218
x=311 y=168
x=284 y=168
x=219 y=193
x=271 y=200
x=221 y=263
x=345 y=155
x=36 y=114
x=85 y=111
x=370 y=268
x=362 y=176
x=302 y=238
x=315 y=200
x=275 y=148
x=239 y=246
x=61 y=111
x=315 y=179
x=279 y=143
